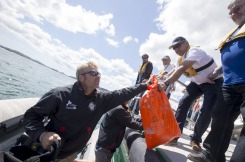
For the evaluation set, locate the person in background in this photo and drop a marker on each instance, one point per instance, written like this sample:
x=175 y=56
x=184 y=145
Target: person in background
x=112 y=130
x=193 y=113
x=232 y=58
x=145 y=69
x=144 y=74
x=163 y=74
x=74 y=111
x=197 y=65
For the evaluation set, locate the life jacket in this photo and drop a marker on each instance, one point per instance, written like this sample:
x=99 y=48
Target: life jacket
x=162 y=72
x=229 y=37
x=142 y=67
x=190 y=71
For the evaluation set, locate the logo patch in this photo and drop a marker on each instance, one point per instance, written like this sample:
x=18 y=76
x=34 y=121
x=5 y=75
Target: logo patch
x=70 y=105
x=91 y=106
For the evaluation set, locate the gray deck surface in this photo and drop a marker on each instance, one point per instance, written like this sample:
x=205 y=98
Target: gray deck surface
x=175 y=153
x=179 y=153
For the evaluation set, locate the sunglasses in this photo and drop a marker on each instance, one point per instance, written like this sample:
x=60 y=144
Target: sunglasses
x=177 y=45
x=144 y=57
x=92 y=72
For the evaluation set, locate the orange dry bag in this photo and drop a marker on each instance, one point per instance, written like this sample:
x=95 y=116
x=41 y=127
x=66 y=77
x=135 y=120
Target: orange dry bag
x=158 y=119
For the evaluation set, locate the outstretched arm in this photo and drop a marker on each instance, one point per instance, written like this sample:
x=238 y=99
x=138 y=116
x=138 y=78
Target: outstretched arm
x=179 y=71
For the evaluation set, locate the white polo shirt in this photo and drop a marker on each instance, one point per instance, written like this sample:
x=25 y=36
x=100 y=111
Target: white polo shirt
x=169 y=68
x=201 y=58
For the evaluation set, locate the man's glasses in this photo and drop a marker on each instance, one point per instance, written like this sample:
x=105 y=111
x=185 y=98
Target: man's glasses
x=92 y=72
x=144 y=57
x=177 y=45
x=236 y=9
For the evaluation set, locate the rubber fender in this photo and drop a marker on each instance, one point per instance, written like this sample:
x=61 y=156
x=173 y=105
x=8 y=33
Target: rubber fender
x=137 y=150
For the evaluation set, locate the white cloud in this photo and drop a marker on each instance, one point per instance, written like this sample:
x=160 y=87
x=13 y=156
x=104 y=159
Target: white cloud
x=130 y=38
x=66 y=57
x=201 y=22
x=112 y=42
x=127 y=39
x=60 y=14
x=136 y=40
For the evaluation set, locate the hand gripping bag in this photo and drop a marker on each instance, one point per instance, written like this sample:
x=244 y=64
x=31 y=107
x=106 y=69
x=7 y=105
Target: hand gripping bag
x=158 y=119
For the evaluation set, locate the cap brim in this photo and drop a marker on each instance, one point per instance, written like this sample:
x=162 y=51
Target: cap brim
x=173 y=44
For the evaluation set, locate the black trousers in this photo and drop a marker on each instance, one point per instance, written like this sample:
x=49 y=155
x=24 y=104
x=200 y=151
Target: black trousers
x=194 y=91
x=224 y=115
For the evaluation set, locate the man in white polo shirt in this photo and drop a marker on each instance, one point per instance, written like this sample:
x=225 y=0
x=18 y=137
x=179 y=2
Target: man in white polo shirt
x=163 y=73
x=197 y=65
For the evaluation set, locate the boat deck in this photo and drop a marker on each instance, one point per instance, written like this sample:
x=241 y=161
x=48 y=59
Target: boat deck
x=176 y=153
x=17 y=107
x=179 y=153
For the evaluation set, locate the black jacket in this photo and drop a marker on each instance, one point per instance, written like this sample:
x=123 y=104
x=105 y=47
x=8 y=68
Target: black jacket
x=113 y=127
x=146 y=74
x=72 y=114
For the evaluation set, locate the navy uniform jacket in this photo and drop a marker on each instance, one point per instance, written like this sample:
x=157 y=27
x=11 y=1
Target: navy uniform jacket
x=72 y=114
x=112 y=128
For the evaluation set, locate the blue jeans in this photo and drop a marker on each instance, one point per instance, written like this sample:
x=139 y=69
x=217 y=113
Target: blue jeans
x=194 y=91
x=224 y=115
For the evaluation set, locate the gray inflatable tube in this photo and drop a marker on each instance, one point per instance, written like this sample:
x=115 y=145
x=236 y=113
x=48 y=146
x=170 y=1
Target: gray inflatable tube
x=137 y=150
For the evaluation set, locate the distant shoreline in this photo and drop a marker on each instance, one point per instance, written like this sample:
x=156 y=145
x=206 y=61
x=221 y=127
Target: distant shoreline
x=23 y=55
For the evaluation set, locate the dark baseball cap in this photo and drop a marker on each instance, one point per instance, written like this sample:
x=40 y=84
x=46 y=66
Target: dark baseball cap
x=145 y=56
x=176 y=41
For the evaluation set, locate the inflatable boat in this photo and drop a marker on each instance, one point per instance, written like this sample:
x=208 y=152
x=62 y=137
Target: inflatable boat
x=132 y=149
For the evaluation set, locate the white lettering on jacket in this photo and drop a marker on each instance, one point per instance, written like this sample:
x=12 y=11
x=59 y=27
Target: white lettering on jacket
x=70 y=105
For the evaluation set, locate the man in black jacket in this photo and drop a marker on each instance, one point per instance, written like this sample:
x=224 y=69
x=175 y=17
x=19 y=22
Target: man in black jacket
x=74 y=111
x=145 y=70
x=112 y=130
x=144 y=74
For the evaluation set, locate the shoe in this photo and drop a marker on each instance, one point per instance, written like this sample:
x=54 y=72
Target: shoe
x=173 y=142
x=196 y=146
x=198 y=157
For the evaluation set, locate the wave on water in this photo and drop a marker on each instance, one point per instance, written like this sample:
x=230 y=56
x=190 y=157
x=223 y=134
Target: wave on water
x=23 y=77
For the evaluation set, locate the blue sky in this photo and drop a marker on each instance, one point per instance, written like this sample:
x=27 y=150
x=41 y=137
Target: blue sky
x=62 y=34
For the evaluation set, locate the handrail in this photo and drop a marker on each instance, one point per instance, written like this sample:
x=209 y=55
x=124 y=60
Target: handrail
x=183 y=84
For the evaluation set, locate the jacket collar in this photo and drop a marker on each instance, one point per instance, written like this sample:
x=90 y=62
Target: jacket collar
x=229 y=37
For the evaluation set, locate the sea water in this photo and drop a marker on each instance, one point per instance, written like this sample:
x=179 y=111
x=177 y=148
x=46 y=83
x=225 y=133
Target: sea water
x=21 y=77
